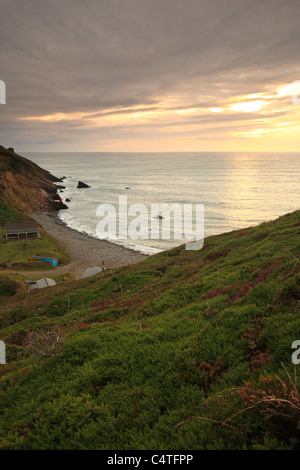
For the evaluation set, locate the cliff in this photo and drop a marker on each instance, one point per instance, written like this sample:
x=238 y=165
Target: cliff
x=26 y=187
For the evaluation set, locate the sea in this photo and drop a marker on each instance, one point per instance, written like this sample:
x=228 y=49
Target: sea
x=234 y=189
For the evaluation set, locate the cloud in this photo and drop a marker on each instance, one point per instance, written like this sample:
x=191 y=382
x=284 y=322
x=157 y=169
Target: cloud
x=97 y=63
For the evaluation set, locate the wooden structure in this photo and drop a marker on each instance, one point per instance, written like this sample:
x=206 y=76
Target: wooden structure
x=15 y=231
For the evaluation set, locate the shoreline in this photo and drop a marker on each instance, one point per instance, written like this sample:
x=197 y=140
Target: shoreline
x=84 y=250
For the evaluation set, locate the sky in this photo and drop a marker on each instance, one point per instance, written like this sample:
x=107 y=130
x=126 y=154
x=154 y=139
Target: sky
x=150 y=75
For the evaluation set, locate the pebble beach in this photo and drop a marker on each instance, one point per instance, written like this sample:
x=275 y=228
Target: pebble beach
x=86 y=251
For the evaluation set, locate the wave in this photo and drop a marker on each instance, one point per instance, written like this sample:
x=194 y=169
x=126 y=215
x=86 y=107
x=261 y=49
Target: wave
x=148 y=250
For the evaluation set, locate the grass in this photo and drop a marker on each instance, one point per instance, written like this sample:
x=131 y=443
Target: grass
x=8 y=287
x=18 y=254
x=186 y=350
x=13 y=285
x=7 y=214
x=15 y=161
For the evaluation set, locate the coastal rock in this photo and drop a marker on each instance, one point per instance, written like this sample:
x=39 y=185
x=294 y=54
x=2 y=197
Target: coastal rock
x=68 y=200
x=21 y=176
x=82 y=185
x=59 y=205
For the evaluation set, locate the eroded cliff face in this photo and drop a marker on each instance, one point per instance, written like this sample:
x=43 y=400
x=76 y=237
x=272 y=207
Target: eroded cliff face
x=25 y=186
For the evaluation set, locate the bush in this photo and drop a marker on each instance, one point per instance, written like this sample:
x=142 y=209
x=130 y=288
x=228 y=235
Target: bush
x=8 y=287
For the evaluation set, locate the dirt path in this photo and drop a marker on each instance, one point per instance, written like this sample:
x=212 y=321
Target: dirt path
x=67 y=268
x=84 y=251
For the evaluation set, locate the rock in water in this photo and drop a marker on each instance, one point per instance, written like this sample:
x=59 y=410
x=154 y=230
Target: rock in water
x=82 y=185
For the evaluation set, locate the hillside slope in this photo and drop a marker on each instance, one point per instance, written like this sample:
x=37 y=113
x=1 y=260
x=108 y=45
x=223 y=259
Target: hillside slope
x=24 y=186
x=185 y=350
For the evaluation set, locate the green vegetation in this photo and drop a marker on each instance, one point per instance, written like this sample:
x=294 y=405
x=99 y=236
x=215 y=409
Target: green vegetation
x=8 y=287
x=7 y=214
x=14 y=161
x=186 y=350
x=17 y=163
x=18 y=254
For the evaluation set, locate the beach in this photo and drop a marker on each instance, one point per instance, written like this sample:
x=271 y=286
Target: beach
x=175 y=178
x=86 y=251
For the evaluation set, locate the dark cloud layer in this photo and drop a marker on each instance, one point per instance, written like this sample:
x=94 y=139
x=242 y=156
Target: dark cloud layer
x=101 y=56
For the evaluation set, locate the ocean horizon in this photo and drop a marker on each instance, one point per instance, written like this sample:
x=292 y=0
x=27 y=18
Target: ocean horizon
x=237 y=189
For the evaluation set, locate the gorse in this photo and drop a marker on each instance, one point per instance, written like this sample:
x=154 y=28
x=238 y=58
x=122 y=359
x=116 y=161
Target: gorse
x=186 y=350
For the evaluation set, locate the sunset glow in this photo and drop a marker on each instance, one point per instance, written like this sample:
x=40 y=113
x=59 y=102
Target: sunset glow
x=272 y=119
x=200 y=78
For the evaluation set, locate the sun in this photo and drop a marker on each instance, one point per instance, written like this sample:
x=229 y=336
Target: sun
x=248 y=107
